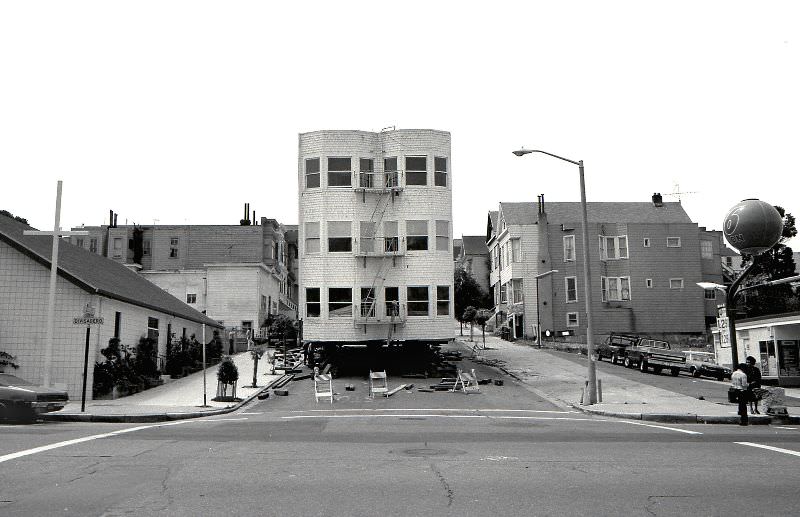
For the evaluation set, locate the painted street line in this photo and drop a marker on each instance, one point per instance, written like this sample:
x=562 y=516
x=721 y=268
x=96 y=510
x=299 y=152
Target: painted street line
x=451 y=410
x=770 y=448
x=660 y=427
x=76 y=441
x=780 y=427
x=250 y=413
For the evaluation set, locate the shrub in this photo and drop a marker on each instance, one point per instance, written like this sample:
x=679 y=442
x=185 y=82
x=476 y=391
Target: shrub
x=7 y=359
x=227 y=373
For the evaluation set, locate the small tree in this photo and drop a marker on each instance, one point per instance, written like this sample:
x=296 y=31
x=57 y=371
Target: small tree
x=481 y=317
x=7 y=359
x=469 y=317
x=256 y=354
x=227 y=375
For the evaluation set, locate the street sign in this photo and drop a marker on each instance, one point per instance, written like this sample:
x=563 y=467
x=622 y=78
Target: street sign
x=87 y=321
x=724 y=332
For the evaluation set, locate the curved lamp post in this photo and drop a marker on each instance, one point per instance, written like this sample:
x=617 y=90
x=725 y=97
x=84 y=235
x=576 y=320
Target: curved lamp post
x=587 y=279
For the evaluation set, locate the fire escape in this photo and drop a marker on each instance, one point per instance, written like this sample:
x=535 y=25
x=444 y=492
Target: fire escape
x=380 y=191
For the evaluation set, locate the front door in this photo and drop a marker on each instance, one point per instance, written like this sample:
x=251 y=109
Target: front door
x=519 y=327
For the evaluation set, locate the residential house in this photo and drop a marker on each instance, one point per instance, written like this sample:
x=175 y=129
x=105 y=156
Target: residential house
x=130 y=306
x=645 y=260
x=474 y=259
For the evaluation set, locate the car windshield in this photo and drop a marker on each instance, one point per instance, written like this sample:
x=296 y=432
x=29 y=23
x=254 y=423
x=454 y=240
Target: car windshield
x=11 y=380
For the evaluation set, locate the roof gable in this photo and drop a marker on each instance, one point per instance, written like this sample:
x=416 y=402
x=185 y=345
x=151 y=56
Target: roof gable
x=597 y=212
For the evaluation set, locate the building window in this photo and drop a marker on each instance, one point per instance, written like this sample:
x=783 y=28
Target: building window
x=417 y=300
x=339 y=172
x=392 y=297
x=313 y=306
x=615 y=288
x=706 y=249
x=648 y=283
x=416 y=170
x=146 y=247
x=366 y=169
x=117 y=324
x=673 y=242
x=729 y=261
x=440 y=171
x=173 y=247
x=93 y=245
x=503 y=293
x=569 y=248
x=340 y=302
x=263 y=303
x=117 y=247
x=516 y=290
x=571 y=289
x=676 y=283
x=391 y=241
x=191 y=298
x=613 y=248
x=416 y=235
x=502 y=257
x=312 y=237
x=366 y=242
x=442 y=300
x=572 y=319
x=390 y=170
x=711 y=294
x=646 y=242
x=79 y=242
x=152 y=328
x=367 y=302
x=339 y=237
x=442 y=235
x=516 y=250
x=312 y=172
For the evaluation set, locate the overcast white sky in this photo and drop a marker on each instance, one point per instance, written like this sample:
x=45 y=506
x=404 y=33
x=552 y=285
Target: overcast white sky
x=183 y=111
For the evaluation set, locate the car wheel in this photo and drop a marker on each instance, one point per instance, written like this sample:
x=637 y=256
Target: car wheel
x=643 y=366
x=720 y=378
x=694 y=372
x=656 y=370
x=627 y=363
x=614 y=359
x=675 y=372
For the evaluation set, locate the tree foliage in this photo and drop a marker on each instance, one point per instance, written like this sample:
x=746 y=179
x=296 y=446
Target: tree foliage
x=16 y=218
x=773 y=264
x=467 y=293
x=7 y=359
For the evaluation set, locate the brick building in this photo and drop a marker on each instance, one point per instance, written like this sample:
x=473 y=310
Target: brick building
x=131 y=306
x=376 y=261
x=645 y=260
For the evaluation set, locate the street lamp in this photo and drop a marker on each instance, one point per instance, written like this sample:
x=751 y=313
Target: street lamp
x=587 y=284
x=538 y=324
x=730 y=305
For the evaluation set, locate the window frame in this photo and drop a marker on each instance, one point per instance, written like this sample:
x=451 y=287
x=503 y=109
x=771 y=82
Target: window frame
x=307 y=239
x=676 y=279
x=363 y=302
x=567 y=289
x=577 y=322
x=710 y=294
x=439 y=175
x=191 y=298
x=516 y=250
x=517 y=290
x=409 y=235
x=390 y=309
x=418 y=302
x=174 y=243
x=442 y=303
x=648 y=283
x=339 y=173
x=366 y=241
x=316 y=173
x=339 y=239
x=619 y=291
x=678 y=245
x=604 y=241
x=566 y=248
x=339 y=305
x=445 y=237
x=391 y=243
x=646 y=242
x=706 y=249
x=317 y=302
x=415 y=174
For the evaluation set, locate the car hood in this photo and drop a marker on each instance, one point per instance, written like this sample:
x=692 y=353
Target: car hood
x=31 y=393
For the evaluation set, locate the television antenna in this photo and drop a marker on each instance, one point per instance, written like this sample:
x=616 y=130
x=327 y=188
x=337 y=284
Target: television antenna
x=677 y=192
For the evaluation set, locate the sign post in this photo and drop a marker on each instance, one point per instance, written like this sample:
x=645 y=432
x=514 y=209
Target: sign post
x=87 y=319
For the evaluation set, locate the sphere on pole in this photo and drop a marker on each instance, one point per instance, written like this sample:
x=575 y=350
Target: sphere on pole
x=753 y=226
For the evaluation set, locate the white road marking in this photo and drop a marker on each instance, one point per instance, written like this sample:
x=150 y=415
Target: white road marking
x=437 y=409
x=780 y=427
x=660 y=427
x=76 y=441
x=770 y=448
x=66 y=443
x=250 y=413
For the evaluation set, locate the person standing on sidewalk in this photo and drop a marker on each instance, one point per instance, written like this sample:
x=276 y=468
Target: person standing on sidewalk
x=739 y=383
x=753 y=384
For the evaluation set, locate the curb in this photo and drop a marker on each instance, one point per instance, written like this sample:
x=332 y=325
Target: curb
x=151 y=417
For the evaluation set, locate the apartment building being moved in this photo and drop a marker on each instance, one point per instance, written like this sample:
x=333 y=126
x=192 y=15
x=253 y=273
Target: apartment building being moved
x=375 y=237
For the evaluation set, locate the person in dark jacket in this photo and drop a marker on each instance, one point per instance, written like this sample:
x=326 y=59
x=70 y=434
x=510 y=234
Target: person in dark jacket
x=753 y=384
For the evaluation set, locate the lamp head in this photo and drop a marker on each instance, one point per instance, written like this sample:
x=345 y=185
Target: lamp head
x=522 y=152
x=711 y=285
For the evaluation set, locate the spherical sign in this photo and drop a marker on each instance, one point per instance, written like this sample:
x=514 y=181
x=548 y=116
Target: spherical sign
x=753 y=226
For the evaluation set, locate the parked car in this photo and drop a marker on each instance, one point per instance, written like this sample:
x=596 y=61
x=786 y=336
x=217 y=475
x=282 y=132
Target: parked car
x=23 y=400
x=656 y=354
x=614 y=347
x=704 y=363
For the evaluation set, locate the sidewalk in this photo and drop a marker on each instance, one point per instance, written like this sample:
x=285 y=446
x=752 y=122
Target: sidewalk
x=560 y=381
x=174 y=400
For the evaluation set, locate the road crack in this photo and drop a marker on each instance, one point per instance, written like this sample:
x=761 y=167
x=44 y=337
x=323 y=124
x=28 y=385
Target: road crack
x=447 y=490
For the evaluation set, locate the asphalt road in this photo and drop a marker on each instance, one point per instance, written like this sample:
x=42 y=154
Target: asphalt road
x=501 y=452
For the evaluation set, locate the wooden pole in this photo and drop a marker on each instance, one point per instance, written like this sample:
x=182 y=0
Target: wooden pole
x=51 y=301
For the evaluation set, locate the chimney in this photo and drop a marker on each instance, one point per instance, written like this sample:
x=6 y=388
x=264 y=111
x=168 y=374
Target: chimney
x=254 y=216
x=111 y=218
x=657 y=200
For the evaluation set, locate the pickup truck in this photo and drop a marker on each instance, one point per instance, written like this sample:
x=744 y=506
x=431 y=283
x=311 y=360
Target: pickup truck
x=652 y=353
x=614 y=347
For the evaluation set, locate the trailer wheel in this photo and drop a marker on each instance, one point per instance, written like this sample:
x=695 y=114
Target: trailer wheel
x=657 y=370
x=643 y=366
x=627 y=362
x=614 y=359
x=695 y=372
x=675 y=372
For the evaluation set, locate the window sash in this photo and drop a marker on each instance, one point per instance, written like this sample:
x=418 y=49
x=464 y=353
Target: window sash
x=516 y=290
x=340 y=302
x=442 y=235
x=676 y=283
x=673 y=242
x=615 y=288
x=367 y=237
x=417 y=300
x=571 y=289
x=706 y=251
x=516 y=250
x=440 y=171
x=572 y=319
x=569 y=248
x=613 y=248
x=313 y=305
x=312 y=172
x=442 y=300
x=391 y=296
x=416 y=235
x=368 y=302
x=312 y=237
